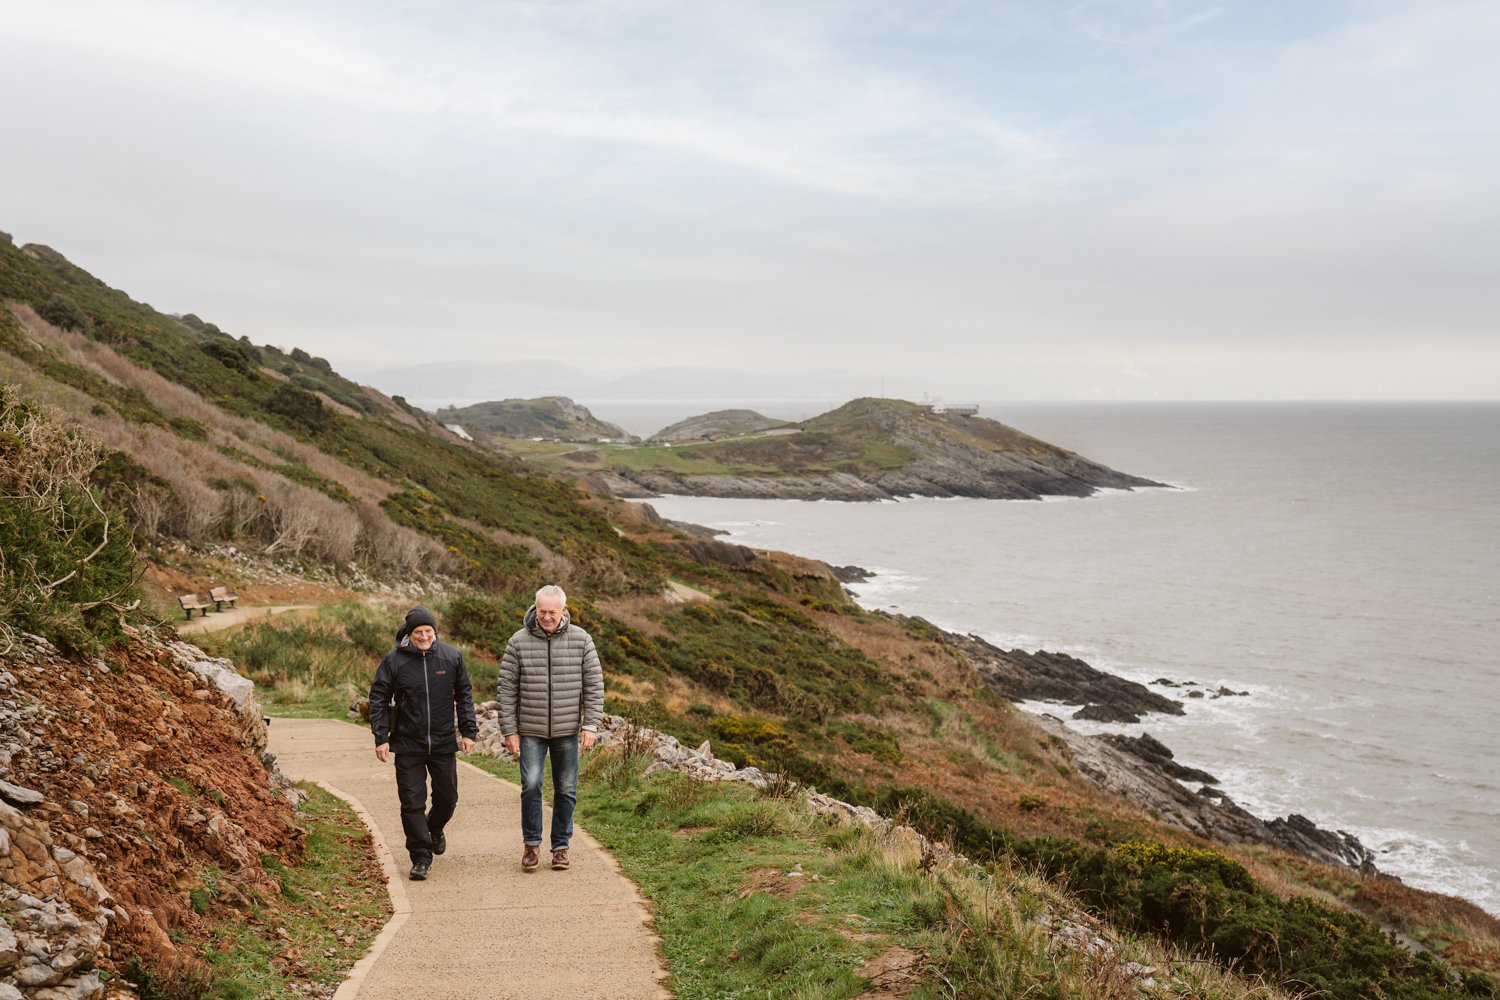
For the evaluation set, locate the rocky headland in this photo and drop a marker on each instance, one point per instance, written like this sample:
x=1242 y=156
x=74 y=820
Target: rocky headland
x=869 y=449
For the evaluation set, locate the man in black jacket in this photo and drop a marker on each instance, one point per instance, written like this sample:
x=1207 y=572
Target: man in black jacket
x=427 y=685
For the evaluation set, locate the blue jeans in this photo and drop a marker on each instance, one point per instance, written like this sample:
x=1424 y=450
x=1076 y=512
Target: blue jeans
x=534 y=752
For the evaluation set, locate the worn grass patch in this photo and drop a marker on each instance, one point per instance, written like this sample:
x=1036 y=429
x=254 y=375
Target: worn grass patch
x=331 y=907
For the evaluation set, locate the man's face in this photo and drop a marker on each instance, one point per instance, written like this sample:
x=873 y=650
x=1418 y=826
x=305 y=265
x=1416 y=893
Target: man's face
x=423 y=636
x=549 y=612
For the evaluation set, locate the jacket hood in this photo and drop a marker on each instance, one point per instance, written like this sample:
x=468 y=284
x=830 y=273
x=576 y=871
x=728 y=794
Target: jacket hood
x=536 y=630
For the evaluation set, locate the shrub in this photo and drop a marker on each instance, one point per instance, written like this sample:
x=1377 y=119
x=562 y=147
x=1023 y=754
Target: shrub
x=67 y=562
x=230 y=354
x=1203 y=900
x=60 y=310
x=299 y=406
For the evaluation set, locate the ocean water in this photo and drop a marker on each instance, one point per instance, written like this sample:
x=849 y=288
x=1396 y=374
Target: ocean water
x=1339 y=562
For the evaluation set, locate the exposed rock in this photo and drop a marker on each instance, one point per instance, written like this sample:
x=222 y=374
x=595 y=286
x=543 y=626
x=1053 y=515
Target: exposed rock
x=698 y=530
x=1056 y=677
x=711 y=552
x=1300 y=834
x=161 y=779
x=1156 y=753
x=852 y=574
x=16 y=795
x=1207 y=812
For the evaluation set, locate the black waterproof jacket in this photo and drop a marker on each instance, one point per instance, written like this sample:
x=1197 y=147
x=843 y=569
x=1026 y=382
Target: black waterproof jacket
x=416 y=697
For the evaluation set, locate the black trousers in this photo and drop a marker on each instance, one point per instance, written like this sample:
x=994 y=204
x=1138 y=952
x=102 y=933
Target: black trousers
x=423 y=827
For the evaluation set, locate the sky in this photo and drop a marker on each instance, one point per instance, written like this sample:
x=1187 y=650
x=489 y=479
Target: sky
x=1136 y=199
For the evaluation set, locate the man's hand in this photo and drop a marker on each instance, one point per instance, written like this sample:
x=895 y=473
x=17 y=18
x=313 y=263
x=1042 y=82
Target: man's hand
x=465 y=745
x=381 y=751
x=586 y=739
x=513 y=744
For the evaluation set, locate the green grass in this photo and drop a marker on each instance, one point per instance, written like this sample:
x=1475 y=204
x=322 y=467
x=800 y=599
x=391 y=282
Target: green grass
x=754 y=455
x=716 y=862
x=698 y=851
x=332 y=906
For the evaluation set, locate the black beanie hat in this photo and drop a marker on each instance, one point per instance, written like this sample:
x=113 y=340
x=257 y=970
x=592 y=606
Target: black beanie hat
x=417 y=617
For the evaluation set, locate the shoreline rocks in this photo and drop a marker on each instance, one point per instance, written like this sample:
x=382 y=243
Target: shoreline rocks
x=1017 y=676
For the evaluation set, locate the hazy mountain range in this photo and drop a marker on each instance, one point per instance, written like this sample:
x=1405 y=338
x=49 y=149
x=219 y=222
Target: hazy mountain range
x=431 y=385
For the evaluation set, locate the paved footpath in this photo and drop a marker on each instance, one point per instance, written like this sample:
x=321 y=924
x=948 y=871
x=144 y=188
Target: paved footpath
x=479 y=927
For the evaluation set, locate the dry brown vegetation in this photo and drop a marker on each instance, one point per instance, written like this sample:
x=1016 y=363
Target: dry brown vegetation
x=203 y=494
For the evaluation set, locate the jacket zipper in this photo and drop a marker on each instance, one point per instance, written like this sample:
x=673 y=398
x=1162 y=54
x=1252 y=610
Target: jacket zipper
x=549 y=687
x=427 y=690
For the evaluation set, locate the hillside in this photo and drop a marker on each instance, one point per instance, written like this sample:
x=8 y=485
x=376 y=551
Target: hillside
x=550 y=417
x=718 y=424
x=867 y=449
x=228 y=462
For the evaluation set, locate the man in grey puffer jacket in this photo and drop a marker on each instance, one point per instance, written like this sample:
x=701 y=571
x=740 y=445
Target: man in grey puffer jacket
x=551 y=696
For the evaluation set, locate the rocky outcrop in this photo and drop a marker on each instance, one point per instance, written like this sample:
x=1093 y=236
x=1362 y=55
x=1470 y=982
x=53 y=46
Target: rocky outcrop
x=121 y=784
x=1142 y=768
x=1144 y=772
x=1017 y=675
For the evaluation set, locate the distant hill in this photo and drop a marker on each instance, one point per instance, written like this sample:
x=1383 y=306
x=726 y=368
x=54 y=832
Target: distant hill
x=547 y=417
x=718 y=424
x=460 y=383
x=868 y=449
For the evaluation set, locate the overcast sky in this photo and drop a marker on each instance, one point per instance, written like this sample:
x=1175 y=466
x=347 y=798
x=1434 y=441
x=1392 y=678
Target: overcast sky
x=987 y=199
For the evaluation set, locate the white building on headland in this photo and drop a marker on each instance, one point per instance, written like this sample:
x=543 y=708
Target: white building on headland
x=961 y=409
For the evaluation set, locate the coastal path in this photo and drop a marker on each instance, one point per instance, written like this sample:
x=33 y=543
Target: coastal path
x=478 y=926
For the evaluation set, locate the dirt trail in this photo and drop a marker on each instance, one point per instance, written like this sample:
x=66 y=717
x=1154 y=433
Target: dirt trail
x=216 y=620
x=479 y=926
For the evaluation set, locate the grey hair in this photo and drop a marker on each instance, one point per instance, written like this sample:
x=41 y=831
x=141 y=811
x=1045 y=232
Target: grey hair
x=553 y=590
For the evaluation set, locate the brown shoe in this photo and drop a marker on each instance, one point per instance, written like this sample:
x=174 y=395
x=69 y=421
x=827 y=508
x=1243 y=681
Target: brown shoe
x=531 y=859
x=560 y=860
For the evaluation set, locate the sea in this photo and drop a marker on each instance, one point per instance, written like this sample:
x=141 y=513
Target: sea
x=1339 y=563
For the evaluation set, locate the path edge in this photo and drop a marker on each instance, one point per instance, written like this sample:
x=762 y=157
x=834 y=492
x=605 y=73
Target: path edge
x=400 y=903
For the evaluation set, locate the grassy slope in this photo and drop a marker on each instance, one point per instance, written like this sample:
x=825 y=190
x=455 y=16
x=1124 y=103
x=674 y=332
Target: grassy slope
x=544 y=417
x=861 y=436
x=778 y=670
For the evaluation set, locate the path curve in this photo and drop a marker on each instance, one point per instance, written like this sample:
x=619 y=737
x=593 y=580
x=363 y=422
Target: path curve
x=479 y=926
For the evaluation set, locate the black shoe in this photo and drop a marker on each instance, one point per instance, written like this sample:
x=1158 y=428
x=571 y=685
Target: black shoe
x=418 y=872
x=439 y=843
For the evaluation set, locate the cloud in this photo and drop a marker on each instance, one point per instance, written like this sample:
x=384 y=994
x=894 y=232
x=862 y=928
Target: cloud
x=1088 y=190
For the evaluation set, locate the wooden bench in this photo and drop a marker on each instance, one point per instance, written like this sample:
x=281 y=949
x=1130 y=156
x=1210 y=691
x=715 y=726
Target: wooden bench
x=191 y=603
x=221 y=596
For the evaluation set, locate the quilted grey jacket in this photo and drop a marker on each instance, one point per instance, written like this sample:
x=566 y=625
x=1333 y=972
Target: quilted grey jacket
x=550 y=685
